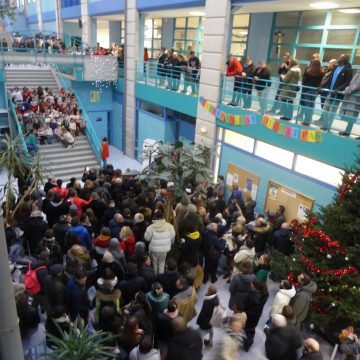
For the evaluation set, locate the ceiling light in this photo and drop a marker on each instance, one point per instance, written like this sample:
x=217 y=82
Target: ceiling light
x=197 y=13
x=350 y=11
x=324 y=5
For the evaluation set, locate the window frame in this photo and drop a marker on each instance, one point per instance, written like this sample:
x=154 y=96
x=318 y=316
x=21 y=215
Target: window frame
x=233 y=27
x=152 y=49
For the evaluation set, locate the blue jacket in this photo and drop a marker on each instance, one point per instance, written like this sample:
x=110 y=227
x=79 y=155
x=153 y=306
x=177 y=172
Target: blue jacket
x=79 y=302
x=82 y=234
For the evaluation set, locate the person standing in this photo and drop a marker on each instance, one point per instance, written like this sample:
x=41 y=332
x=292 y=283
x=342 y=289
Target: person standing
x=194 y=66
x=311 y=350
x=262 y=82
x=234 y=69
x=339 y=80
x=325 y=79
x=104 y=151
x=301 y=301
x=351 y=104
x=283 y=69
x=162 y=60
x=247 y=73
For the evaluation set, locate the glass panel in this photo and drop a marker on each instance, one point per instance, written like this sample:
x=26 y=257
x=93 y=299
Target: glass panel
x=148 y=24
x=148 y=44
x=313 y=18
x=192 y=34
x=239 y=141
x=157 y=44
x=191 y=45
x=304 y=53
x=310 y=36
x=334 y=53
x=274 y=154
x=241 y=20
x=179 y=34
x=157 y=33
x=179 y=45
x=288 y=37
x=193 y=22
x=152 y=108
x=284 y=49
x=180 y=22
x=157 y=23
x=238 y=49
x=287 y=18
x=239 y=35
x=341 y=37
x=148 y=33
x=318 y=170
x=339 y=18
x=357 y=57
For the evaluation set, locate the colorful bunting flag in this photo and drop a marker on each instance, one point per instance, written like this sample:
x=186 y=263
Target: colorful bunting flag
x=288 y=131
x=270 y=123
x=304 y=135
x=237 y=120
x=281 y=130
x=295 y=133
x=318 y=136
x=248 y=119
x=222 y=116
x=311 y=136
x=276 y=127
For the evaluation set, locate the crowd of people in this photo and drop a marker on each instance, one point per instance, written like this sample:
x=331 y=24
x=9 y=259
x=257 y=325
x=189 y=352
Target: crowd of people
x=46 y=117
x=335 y=85
x=147 y=254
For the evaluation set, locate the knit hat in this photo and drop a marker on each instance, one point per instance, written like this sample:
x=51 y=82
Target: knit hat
x=114 y=242
x=73 y=210
x=108 y=258
x=278 y=320
x=107 y=284
x=138 y=218
x=18 y=288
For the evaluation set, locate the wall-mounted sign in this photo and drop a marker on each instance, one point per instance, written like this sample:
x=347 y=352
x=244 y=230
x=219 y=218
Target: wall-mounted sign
x=94 y=96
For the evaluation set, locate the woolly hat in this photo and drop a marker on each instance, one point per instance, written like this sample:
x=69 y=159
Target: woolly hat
x=108 y=258
x=278 y=320
x=56 y=269
x=138 y=218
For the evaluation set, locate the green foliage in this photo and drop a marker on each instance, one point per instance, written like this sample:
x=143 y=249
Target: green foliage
x=79 y=344
x=183 y=165
x=279 y=268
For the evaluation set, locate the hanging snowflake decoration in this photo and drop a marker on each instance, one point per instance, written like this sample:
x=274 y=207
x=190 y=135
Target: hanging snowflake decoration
x=104 y=70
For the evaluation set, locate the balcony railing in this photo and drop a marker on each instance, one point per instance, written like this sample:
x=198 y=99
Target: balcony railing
x=311 y=106
x=178 y=78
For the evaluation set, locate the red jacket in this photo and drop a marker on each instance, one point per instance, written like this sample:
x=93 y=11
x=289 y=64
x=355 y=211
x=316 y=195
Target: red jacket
x=105 y=150
x=235 y=68
x=102 y=241
x=62 y=191
x=79 y=202
x=146 y=56
x=128 y=245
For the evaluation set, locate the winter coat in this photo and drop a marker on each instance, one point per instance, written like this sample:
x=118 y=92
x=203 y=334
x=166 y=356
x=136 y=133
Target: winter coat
x=342 y=81
x=189 y=248
x=83 y=235
x=139 y=230
x=185 y=301
x=350 y=347
x=163 y=328
x=281 y=241
x=130 y=286
x=185 y=345
x=168 y=281
x=282 y=343
x=264 y=78
x=60 y=229
x=104 y=150
x=351 y=103
x=106 y=298
x=262 y=271
x=240 y=284
x=282 y=298
x=244 y=254
x=77 y=258
x=79 y=303
x=210 y=302
x=210 y=239
x=301 y=301
x=54 y=210
x=291 y=79
x=161 y=235
x=254 y=306
x=128 y=246
x=102 y=241
x=55 y=291
x=234 y=69
x=260 y=235
x=34 y=231
x=317 y=355
x=248 y=81
x=158 y=304
x=115 y=228
x=135 y=354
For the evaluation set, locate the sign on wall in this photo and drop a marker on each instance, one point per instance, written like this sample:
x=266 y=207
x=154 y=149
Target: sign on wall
x=95 y=96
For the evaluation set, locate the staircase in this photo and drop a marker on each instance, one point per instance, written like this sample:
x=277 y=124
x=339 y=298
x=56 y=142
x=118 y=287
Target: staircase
x=56 y=160
x=65 y=163
x=31 y=77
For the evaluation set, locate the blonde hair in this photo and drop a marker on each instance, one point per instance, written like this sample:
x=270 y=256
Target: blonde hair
x=125 y=232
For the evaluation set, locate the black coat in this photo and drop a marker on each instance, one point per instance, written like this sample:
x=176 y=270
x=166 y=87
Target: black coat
x=281 y=241
x=53 y=211
x=240 y=284
x=56 y=293
x=60 y=230
x=42 y=273
x=210 y=239
x=206 y=312
x=139 y=230
x=342 y=81
x=34 y=231
x=254 y=306
x=264 y=76
x=189 y=249
x=148 y=274
x=282 y=343
x=186 y=345
x=312 y=356
x=163 y=328
x=168 y=280
x=130 y=286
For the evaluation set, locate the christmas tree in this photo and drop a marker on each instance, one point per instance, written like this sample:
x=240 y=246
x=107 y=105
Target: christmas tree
x=328 y=247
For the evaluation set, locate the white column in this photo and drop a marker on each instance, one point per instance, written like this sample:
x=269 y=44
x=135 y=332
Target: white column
x=86 y=23
x=39 y=15
x=216 y=32
x=131 y=50
x=59 y=23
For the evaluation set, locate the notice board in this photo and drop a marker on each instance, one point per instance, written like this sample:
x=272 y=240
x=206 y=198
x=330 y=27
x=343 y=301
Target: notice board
x=243 y=178
x=295 y=203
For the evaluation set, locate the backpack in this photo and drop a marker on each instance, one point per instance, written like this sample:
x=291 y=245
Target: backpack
x=219 y=316
x=31 y=281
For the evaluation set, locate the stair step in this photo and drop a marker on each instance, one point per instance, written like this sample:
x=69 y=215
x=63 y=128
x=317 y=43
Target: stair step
x=79 y=164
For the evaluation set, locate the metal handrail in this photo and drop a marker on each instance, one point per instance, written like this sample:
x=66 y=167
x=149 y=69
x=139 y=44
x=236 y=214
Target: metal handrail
x=19 y=131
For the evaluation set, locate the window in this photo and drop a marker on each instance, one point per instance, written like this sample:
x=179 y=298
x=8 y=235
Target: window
x=122 y=33
x=328 y=32
x=188 y=34
x=152 y=38
x=274 y=154
x=239 y=35
x=152 y=108
x=318 y=170
x=240 y=141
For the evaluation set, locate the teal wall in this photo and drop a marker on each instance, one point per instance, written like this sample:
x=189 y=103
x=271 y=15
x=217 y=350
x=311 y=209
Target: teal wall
x=47 y=5
x=71 y=28
x=99 y=121
x=117 y=137
x=259 y=36
x=266 y=171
